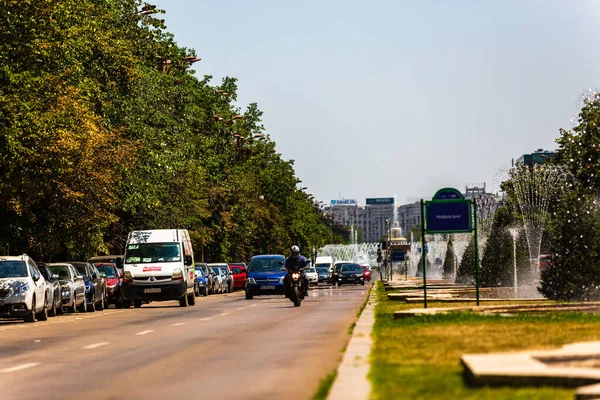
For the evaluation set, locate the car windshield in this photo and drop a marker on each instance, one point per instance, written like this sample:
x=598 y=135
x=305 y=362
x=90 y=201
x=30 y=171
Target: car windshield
x=152 y=253
x=62 y=271
x=13 y=269
x=108 y=270
x=216 y=270
x=44 y=272
x=322 y=270
x=236 y=270
x=312 y=269
x=351 y=268
x=326 y=266
x=81 y=269
x=199 y=271
x=266 y=264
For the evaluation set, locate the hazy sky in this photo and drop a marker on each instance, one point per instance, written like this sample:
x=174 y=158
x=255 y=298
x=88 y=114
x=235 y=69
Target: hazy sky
x=383 y=98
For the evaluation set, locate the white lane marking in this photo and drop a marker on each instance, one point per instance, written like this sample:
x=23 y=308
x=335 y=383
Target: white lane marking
x=240 y=309
x=78 y=318
x=203 y=319
x=178 y=324
x=19 y=367
x=144 y=332
x=93 y=346
x=225 y=313
x=253 y=305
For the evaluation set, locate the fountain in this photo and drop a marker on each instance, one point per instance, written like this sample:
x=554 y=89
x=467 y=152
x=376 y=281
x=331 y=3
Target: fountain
x=534 y=188
x=514 y=232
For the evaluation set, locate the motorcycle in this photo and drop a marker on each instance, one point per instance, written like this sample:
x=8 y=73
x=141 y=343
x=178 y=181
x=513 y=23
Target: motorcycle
x=294 y=286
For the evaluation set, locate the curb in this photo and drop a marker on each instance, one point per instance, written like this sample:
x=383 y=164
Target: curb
x=351 y=382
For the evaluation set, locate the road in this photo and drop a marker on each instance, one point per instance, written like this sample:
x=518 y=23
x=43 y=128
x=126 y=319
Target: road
x=224 y=347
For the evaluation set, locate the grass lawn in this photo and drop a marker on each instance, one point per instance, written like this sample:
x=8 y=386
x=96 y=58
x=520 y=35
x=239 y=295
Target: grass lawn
x=419 y=357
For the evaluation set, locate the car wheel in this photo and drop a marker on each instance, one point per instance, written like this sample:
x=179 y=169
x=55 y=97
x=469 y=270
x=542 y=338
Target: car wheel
x=31 y=316
x=363 y=283
x=53 y=311
x=126 y=303
x=92 y=306
x=119 y=303
x=100 y=305
x=43 y=316
x=105 y=300
x=83 y=305
x=205 y=293
x=196 y=291
x=183 y=301
x=191 y=299
x=61 y=308
x=249 y=295
x=137 y=303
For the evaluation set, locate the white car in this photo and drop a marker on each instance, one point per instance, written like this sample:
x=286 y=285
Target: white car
x=311 y=274
x=23 y=291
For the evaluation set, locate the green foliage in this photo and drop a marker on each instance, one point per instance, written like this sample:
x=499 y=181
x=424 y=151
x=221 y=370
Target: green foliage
x=466 y=269
x=575 y=225
x=450 y=261
x=497 y=262
x=104 y=129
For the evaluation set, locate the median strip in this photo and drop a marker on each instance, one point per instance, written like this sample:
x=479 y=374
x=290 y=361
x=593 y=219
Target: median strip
x=19 y=367
x=144 y=332
x=93 y=346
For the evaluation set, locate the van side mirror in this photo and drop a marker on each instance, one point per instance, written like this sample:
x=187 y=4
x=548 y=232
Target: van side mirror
x=36 y=277
x=187 y=260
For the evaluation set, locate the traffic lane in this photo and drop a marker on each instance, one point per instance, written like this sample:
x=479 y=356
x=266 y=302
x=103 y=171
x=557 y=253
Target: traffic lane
x=233 y=348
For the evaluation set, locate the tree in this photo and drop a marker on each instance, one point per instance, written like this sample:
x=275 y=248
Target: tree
x=450 y=261
x=466 y=269
x=497 y=262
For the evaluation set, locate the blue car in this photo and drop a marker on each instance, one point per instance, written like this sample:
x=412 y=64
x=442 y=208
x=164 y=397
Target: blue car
x=201 y=287
x=265 y=276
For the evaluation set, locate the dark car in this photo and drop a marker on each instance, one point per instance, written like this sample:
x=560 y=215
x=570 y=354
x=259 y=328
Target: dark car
x=323 y=274
x=52 y=281
x=211 y=281
x=265 y=276
x=350 y=273
x=114 y=280
x=95 y=286
x=202 y=280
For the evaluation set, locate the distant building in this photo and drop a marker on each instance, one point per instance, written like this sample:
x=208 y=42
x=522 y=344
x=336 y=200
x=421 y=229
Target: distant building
x=344 y=211
x=476 y=190
x=540 y=156
x=409 y=216
x=374 y=215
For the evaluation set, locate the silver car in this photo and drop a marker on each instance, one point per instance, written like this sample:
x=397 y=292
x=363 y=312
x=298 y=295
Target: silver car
x=72 y=286
x=23 y=291
x=220 y=277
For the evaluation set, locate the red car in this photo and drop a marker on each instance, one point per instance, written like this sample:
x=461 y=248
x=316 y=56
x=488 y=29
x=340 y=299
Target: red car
x=238 y=271
x=366 y=273
x=544 y=261
x=113 y=279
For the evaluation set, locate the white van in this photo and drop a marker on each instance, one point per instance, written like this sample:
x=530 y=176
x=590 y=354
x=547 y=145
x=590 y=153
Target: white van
x=158 y=265
x=324 y=262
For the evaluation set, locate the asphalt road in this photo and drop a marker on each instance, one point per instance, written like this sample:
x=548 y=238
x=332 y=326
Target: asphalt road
x=224 y=347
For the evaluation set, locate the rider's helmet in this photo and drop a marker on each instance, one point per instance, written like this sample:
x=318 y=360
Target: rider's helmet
x=295 y=251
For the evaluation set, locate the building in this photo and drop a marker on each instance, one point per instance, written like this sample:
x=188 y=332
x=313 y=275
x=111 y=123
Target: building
x=343 y=211
x=372 y=219
x=409 y=216
x=540 y=156
x=475 y=190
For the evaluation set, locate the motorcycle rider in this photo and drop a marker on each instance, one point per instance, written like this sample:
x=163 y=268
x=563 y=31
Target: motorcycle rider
x=294 y=262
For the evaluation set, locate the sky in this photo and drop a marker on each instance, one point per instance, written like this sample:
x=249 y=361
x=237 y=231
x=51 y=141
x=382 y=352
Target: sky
x=399 y=97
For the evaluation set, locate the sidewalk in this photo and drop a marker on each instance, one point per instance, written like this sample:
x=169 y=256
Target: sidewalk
x=352 y=382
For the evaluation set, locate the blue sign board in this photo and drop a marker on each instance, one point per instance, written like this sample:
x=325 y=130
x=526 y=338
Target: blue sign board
x=398 y=255
x=448 y=194
x=380 y=200
x=448 y=216
x=343 y=202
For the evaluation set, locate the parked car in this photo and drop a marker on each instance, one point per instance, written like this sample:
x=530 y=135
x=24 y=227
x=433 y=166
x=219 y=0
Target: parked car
x=72 y=286
x=108 y=259
x=22 y=289
x=238 y=271
x=228 y=277
x=220 y=278
x=54 y=292
x=211 y=281
x=322 y=274
x=202 y=281
x=366 y=272
x=334 y=275
x=350 y=273
x=114 y=280
x=265 y=276
x=311 y=274
x=95 y=286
